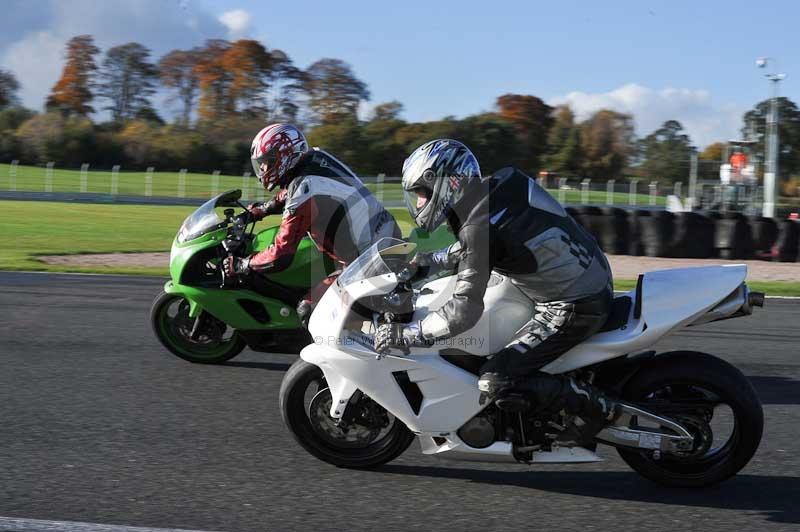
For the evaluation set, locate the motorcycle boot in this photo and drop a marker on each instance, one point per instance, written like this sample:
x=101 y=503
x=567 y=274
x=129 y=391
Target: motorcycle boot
x=588 y=408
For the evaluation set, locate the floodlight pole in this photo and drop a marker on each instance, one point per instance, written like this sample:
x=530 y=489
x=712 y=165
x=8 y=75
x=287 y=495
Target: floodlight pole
x=771 y=179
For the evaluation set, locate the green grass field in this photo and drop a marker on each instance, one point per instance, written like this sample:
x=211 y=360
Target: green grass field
x=45 y=228
x=49 y=228
x=170 y=184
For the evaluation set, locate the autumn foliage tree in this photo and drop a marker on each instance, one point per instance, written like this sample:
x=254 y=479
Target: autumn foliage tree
x=531 y=119
x=248 y=64
x=213 y=81
x=244 y=77
x=72 y=93
x=607 y=143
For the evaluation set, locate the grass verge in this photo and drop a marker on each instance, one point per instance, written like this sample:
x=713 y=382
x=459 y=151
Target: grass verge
x=49 y=228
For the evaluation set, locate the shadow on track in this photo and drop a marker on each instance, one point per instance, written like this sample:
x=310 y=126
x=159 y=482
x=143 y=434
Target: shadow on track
x=773 y=497
x=777 y=390
x=269 y=366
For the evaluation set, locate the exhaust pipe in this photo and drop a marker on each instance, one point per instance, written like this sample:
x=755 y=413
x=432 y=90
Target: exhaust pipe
x=740 y=302
x=756 y=299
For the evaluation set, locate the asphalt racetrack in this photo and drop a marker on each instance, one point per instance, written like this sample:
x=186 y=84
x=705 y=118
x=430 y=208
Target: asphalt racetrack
x=99 y=424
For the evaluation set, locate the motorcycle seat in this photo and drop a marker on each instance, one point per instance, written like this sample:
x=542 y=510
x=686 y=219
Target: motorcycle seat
x=620 y=312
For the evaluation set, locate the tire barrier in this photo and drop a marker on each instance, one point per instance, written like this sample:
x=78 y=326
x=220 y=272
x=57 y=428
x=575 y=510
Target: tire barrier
x=615 y=235
x=733 y=238
x=655 y=232
x=691 y=235
x=788 y=241
x=765 y=234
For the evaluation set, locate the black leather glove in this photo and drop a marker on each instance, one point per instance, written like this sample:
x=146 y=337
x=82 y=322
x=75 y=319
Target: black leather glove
x=261 y=210
x=233 y=267
x=399 y=336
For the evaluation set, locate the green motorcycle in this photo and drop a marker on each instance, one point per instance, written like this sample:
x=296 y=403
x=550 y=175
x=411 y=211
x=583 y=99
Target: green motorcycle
x=199 y=318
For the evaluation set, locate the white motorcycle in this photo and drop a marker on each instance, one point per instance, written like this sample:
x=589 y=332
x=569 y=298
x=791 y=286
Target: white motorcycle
x=688 y=418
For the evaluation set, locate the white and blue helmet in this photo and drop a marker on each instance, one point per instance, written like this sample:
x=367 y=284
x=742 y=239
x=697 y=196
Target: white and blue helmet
x=435 y=177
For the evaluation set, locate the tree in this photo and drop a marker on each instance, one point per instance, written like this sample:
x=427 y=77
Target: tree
x=176 y=70
x=531 y=119
x=8 y=89
x=213 y=81
x=666 y=153
x=127 y=80
x=285 y=82
x=248 y=64
x=244 y=77
x=334 y=91
x=10 y=119
x=564 y=143
x=487 y=136
x=709 y=161
x=755 y=123
x=387 y=111
x=67 y=140
x=72 y=93
x=342 y=138
x=383 y=153
x=607 y=142
x=713 y=152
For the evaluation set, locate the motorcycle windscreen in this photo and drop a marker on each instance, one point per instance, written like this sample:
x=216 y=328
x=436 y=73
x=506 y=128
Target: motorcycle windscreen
x=205 y=218
x=387 y=255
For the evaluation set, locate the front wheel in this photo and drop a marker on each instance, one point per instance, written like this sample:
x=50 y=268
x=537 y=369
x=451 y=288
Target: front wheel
x=204 y=340
x=710 y=398
x=366 y=437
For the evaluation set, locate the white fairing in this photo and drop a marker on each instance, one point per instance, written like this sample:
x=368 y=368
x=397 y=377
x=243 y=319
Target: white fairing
x=671 y=299
x=506 y=310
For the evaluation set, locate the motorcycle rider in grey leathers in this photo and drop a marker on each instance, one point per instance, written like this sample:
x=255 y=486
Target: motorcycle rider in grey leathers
x=509 y=224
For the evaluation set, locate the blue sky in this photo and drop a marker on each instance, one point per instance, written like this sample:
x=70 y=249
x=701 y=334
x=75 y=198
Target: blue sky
x=693 y=61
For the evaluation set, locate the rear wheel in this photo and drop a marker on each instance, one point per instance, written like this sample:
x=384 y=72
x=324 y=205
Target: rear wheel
x=366 y=437
x=710 y=398
x=213 y=342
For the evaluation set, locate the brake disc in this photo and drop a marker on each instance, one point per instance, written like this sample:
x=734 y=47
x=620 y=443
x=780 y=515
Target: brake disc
x=352 y=434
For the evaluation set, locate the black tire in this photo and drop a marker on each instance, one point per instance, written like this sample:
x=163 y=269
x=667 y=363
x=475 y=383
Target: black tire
x=295 y=415
x=733 y=237
x=693 y=237
x=765 y=234
x=171 y=337
x=788 y=242
x=616 y=235
x=655 y=233
x=686 y=368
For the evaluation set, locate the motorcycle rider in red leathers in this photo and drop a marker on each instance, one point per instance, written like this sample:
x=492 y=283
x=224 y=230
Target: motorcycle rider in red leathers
x=318 y=196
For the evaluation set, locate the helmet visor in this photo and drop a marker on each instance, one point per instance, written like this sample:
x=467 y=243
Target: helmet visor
x=417 y=199
x=265 y=166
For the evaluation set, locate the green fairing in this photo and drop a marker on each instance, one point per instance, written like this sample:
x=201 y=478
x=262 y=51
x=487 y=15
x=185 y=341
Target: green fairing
x=308 y=268
x=224 y=305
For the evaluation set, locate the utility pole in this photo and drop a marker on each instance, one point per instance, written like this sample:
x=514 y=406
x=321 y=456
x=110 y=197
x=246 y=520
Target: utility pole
x=771 y=179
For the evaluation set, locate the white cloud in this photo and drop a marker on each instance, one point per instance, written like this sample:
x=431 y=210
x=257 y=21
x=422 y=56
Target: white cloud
x=36 y=61
x=705 y=121
x=237 y=21
x=32 y=41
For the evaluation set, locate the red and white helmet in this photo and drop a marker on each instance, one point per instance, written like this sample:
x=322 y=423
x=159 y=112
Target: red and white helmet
x=276 y=150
